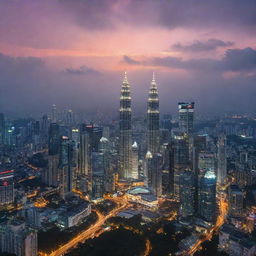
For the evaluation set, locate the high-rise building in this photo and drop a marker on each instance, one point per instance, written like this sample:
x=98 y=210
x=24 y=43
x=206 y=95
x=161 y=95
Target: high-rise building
x=52 y=175
x=54 y=114
x=95 y=134
x=2 y=128
x=65 y=166
x=235 y=200
x=166 y=122
x=207 y=196
x=54 y=139
x=84 y=154
x=18 y=239
x=6 y=187
x=167 y=151
x=125 y=139
x=187 y=193
x=135 y=161
x=222 y=160
x=155 y=164
x=98 y=174
x=84 y=175
x=153 y=119
x=186 y=117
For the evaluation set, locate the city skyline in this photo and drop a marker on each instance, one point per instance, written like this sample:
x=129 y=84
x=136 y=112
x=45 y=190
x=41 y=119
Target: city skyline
x=55 y=52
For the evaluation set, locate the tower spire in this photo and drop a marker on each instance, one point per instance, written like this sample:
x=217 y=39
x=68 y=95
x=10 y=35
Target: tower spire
x=125 y=81
x=153 y=82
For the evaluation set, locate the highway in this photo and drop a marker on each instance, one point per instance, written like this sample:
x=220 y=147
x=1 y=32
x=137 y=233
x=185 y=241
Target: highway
x=223 y=206
x=95 y=230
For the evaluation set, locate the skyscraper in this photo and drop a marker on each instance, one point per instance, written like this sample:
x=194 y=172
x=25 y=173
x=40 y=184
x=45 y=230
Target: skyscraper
x=155 y=164
x=2 y=128
x=125 y=143
x=65 y=166
x=84 y=162
x=54 y=114
x=207 y=196
x=153 y=119
x=186 y=117
x=222 y=160
x=187 y=193
x=95 y=134
x=52 y=176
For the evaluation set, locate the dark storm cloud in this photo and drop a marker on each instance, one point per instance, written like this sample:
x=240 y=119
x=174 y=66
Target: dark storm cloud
x=233 y=60
x=83 y=70
x=199 y=46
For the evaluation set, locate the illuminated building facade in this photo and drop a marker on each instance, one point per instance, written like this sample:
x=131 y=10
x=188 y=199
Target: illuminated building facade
x=6 y=187
x=153 y=119
x=125 y=139
x=135 y=161
x=207 y=196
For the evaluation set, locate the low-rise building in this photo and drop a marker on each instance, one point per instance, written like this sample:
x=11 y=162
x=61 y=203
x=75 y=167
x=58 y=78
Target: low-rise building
x=74 y=216
x=236 y=243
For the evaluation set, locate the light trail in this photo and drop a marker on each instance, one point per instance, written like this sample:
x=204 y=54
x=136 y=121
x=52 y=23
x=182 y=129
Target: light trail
x=95 y=230
x=220 y=221
x=148 y=248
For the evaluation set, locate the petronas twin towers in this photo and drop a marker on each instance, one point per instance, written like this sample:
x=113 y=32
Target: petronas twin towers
x=125 y=143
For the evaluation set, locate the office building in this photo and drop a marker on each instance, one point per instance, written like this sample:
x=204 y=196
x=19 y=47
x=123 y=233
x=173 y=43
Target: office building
x=65 y=166
x=186 y=117
x=18 y=239
x=236 y=198
x=155 y=164
x=222 y=160
x=207 y=196
x=187 y=193
x=6 y=187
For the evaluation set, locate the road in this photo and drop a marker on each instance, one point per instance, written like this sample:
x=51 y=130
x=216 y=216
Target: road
x=223 y=206
x=95 y=230
x=148 y=248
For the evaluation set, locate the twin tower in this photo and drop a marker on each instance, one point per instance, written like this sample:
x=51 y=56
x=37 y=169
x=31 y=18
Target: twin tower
x=125 y=143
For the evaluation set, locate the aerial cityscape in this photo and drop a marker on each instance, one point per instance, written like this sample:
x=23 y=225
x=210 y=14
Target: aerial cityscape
x=127 y=128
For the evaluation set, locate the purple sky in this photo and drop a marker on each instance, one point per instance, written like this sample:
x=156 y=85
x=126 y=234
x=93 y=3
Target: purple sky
x=73 y=53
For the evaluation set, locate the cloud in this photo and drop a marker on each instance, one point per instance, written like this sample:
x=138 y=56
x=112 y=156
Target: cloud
x=233 y=60
x=129 y=60
x=109 y=14
x=240 y=59
x=199 y=46
x=83 y=70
